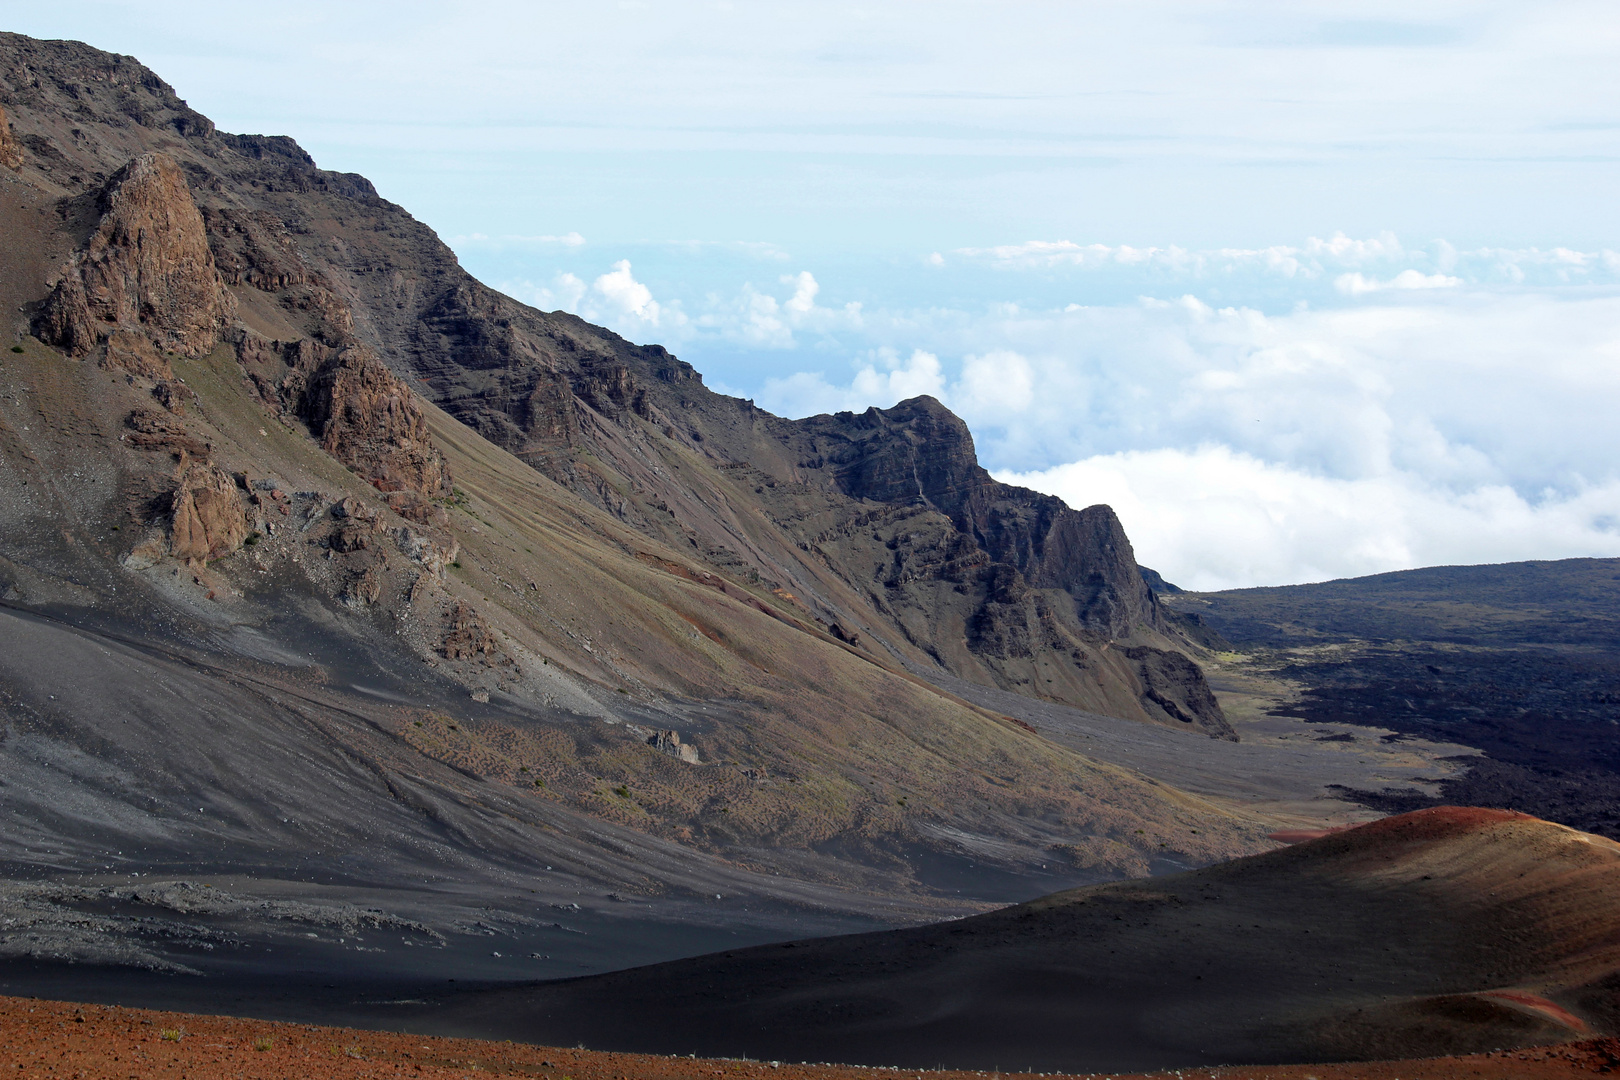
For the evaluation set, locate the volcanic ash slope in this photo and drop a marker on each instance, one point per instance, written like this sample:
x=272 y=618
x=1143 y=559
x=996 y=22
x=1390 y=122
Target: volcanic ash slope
x=1443 y=931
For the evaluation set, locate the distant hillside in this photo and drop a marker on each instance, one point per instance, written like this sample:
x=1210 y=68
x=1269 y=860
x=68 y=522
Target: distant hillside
x=1520 y=660
x=1564 y=602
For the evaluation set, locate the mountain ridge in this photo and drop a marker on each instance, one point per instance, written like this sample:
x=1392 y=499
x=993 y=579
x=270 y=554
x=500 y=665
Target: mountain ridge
x=261 y=414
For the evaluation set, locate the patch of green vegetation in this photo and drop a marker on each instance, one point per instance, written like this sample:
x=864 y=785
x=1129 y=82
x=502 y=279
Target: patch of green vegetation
x=622 y=791
x=252 y=538
x=16 y=348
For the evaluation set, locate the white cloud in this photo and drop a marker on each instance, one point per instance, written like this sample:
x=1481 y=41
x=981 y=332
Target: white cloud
x=1396 y=405
x=1212 y=518
x=1358 y=284
x=1354 y=266
x=564 y=292
x=479 y=240
x=1441 y=424
x=803 y=300
x=998 y=384
x=758 y=318
x=884 y=380
x=620 y=288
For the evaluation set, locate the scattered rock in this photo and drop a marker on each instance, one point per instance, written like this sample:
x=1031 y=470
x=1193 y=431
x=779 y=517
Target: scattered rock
x=173 y=395
x=432 y=554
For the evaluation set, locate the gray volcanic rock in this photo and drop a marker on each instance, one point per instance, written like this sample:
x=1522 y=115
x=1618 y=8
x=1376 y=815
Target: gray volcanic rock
x=919 y=451
x=624 y=552
x=959 y=573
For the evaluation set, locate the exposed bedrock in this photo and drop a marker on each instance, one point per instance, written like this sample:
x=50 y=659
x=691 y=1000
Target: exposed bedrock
x=919 y=451
x=146 y=267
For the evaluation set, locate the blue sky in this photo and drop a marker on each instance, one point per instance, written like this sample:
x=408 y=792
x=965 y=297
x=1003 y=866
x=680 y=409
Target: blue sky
x=1302 y=289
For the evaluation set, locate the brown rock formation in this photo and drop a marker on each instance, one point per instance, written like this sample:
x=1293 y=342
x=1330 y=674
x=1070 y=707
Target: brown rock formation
x=131 y=351
x=146 y=268
x=366 y=418
x=11 y=153
x=152 y=430
x=669 y=742
x=208 y=518
x=468 y=637
x=363 y=414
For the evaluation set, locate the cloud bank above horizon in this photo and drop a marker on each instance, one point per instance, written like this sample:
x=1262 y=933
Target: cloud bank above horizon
x=1374 y=406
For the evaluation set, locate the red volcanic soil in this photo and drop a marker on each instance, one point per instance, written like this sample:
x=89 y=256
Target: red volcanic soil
x=92 y=1042
x=1434 y=823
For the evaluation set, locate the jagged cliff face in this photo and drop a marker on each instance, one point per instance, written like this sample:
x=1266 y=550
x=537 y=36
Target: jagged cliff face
x=244 y=387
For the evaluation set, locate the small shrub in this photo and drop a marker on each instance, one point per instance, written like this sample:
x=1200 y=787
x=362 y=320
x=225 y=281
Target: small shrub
x=252 y=538
x=622 y=791
x=264 y=1043
x=16 y=348
x=171 y=1034
x=456 y=565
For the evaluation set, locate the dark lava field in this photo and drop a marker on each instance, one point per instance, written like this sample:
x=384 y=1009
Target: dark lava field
x=1520 y=661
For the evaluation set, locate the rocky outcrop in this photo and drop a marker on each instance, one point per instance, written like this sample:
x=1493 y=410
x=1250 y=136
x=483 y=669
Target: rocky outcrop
x=363 y=414
x=365 y=417
x=153 y=430
x=1175 y=687
x=353 y=306
x=11 y=152
x=468 y=636
x=669 y=742
x=919 y=452
x=208 y=518
x=146 y=269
